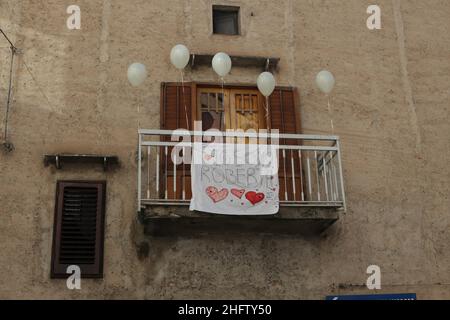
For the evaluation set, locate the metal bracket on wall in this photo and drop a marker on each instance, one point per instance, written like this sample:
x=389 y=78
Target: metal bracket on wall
x=263 y=63
x=57 y=159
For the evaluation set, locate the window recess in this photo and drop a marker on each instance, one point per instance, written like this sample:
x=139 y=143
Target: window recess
x=226 y=20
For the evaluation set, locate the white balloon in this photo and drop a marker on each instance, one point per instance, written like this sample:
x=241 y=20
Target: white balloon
x=266 y=83
x=325 y=81
x=179 y=56
x=137 y=73
x=221 y=64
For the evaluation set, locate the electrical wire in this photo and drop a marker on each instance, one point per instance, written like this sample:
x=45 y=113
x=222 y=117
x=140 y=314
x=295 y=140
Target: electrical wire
x=7 y=39
x=13 y=48
x=14 y=51
x=8 y=101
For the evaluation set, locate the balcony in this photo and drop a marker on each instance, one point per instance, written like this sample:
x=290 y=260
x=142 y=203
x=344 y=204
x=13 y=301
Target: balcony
x=310 y=177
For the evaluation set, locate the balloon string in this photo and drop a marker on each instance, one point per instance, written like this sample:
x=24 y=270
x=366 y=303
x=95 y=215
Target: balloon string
x=223 y=83
x=267 y=112
x=331 y=116
x=223 y=95
x=139 y=117
x=184 y=101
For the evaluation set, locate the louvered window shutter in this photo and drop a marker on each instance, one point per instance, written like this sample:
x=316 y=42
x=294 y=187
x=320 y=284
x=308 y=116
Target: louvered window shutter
x=176 y=100
x=79 y=228
x=176 y=106
x=284 y=110
x=285 y=116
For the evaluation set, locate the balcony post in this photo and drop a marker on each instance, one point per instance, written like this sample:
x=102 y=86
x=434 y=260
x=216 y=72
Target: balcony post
x=341 y=174
x=139 y=173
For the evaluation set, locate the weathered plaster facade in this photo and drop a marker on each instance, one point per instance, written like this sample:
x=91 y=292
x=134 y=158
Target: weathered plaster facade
x=390 y=108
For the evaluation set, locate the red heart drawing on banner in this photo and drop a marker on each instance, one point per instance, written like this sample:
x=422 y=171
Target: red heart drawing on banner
x=238 y=193
x=254 y=197
x=216 y=195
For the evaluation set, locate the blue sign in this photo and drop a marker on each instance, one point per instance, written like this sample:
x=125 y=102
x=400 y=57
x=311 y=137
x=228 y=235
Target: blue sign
x=402 y=296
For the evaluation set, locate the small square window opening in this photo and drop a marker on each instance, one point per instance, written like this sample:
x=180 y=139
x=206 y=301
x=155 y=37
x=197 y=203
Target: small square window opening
x=226 y=20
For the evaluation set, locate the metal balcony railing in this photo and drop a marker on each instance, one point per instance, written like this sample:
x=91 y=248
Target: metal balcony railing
x=310 y=168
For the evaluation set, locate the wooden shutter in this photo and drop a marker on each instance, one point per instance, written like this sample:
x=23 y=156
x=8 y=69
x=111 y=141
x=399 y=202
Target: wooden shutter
x=176 y=100
x=78 y=234
x=285 y=116
x=284 y=110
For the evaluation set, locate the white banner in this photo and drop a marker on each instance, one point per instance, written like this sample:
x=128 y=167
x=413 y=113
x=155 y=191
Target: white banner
x=239 y=188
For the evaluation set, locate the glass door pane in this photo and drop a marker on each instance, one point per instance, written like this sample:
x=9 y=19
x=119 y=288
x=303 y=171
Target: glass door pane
x=224 y=109
x=247 y=111
x=212 y=110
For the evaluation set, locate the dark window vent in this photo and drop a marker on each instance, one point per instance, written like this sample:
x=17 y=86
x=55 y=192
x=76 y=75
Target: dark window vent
x=79 y=228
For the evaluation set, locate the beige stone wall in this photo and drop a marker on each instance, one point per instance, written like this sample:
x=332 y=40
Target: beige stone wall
x=390 y=107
